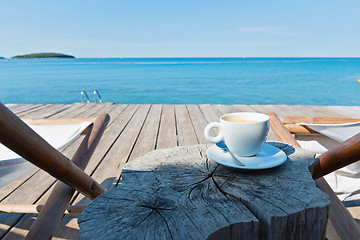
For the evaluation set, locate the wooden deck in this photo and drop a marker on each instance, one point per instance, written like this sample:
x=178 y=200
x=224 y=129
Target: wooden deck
x=133 y=131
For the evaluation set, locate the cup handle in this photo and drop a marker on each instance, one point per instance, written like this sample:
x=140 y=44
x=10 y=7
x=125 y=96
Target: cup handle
x=207 y=130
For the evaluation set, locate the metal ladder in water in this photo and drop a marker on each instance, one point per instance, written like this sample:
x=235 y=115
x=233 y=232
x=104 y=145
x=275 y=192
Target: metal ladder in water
x=96 y=93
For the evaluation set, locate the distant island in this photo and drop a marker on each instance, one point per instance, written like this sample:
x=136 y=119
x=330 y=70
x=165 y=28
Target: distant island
x=2 y=58
x=43 y=55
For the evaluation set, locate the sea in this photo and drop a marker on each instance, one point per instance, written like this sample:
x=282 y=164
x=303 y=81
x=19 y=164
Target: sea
x=292 y=81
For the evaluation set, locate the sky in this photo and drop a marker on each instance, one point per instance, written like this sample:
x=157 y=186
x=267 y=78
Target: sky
x=187 y=28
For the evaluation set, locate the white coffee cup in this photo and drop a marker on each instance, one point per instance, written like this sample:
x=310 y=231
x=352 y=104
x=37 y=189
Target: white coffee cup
x=244 y=132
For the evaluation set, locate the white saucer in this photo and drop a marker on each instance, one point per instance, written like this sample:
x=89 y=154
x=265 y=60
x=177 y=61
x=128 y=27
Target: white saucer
x=268 y=157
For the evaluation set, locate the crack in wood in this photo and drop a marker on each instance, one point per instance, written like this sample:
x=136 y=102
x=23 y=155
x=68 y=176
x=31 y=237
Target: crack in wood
x=209 y=175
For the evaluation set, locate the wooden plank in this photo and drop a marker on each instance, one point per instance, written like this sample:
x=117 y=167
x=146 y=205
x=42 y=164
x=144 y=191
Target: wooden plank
x=235 y=108
x=14 y=107
x=315 y=120
x=119 y=117
x=292 y=110
x=210 y=113
x=333 y=112
x=35 y=208
x=47 y=112
x=199 y=122
x=279 y=109
x=303 y=110
x=11 y=105
x=262 y=108
x=322 y=112
x=21 y=107
x=347 y=111
x=91 y=109
x=70 y=112
x=216 y=108
x=27 y=107
x=148 y=135
x=57 y=121
x=38 y=109
x=167 y=131
x=185 y=130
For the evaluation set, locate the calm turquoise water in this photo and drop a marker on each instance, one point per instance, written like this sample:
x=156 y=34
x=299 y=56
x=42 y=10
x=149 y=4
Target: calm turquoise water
x=314 y=81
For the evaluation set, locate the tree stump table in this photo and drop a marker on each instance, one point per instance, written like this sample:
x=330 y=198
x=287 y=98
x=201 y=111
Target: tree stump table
x=179 y=193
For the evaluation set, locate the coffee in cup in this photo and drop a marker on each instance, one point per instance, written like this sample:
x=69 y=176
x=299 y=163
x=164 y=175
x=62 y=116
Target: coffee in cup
x=244 y=132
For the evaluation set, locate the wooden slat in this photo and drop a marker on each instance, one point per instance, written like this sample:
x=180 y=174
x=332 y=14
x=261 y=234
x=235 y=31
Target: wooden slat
x=40 y=109
x=185 y=129
x=15 y=107
x=167 y=130
x=261 y=108
x=235 y=108
x=199 y=122
x=52 y=112
x=317 y=120
x=299 y=129
x=34 y=208
x=348 y=112
x=210 y=113
x=322 y=112
x=70 y=112
x=292 y=110
x=11 y=105
x=55 y=121
x=147 y=138
x=26 y=108
x=90 y=109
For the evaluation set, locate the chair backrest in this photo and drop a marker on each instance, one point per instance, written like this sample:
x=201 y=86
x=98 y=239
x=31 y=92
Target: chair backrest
x=340 y=156
x=344 y=154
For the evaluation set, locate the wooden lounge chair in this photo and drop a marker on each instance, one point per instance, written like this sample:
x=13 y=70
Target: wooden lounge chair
x=20 y=138
x=342 y=155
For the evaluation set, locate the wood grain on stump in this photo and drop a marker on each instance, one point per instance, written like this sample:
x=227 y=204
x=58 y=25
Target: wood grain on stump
x=179 y=193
